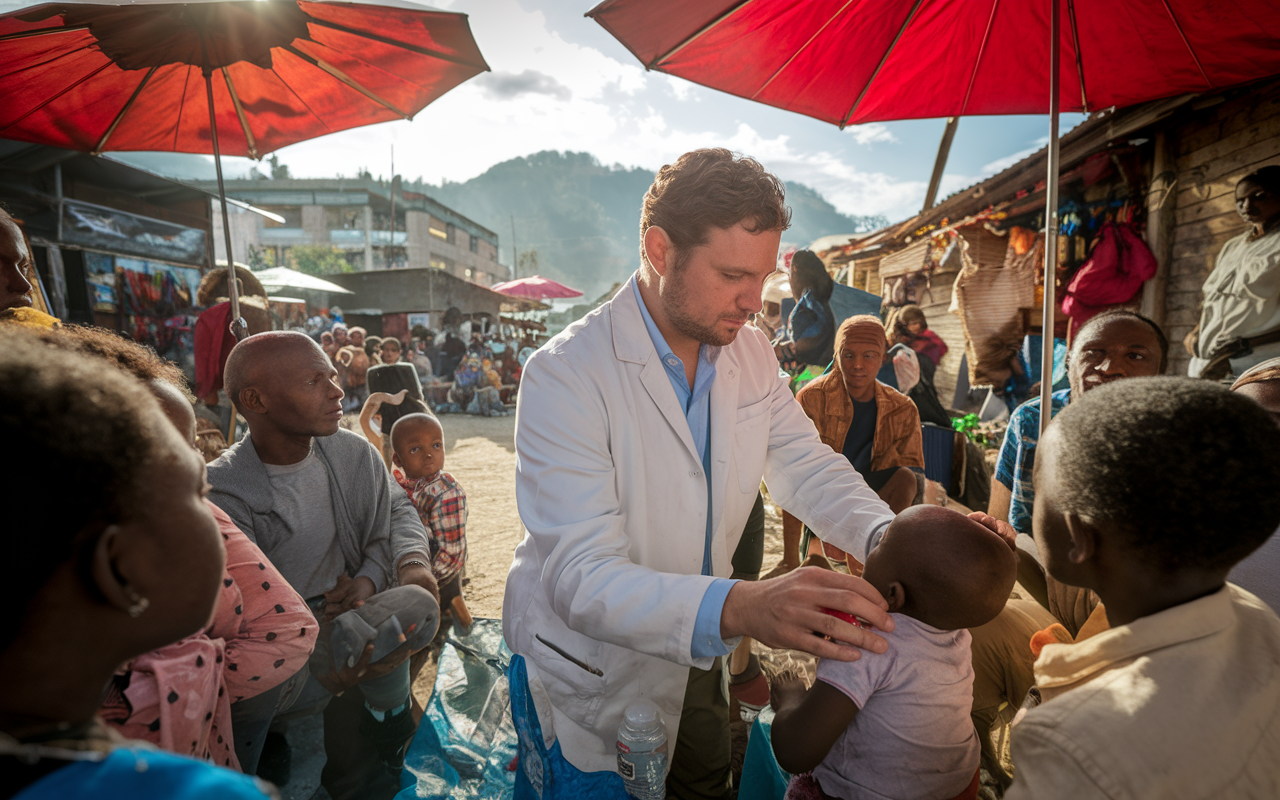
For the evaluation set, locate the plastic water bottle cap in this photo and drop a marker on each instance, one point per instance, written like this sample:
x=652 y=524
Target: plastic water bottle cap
x=642 y=714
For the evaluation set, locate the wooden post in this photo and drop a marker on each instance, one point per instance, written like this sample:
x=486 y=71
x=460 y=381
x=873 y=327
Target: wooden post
x=1161 y=218
x=940 y=163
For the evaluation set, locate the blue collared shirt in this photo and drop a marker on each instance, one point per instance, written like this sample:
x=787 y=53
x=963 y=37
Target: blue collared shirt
x=696 y=402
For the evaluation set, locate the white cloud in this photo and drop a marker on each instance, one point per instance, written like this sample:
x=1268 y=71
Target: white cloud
x=872 y=132
x=549 y=94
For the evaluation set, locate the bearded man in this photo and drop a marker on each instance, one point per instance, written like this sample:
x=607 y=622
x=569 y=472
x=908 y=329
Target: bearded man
x=642 y=435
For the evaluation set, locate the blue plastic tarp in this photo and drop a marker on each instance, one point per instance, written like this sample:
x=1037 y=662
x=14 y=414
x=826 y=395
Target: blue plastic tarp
x=465 y=746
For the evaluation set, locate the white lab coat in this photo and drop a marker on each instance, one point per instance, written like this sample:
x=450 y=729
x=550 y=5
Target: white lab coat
x=611 y=493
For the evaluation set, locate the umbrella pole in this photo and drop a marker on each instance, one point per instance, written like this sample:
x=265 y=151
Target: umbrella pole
x=1050 y=229
x=238 y=327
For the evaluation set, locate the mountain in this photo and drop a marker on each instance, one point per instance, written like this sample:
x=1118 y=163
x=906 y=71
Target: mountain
x=582 y=217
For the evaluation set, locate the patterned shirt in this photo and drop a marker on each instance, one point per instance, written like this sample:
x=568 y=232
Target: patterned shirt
x=442 y=507
x=1018 y=455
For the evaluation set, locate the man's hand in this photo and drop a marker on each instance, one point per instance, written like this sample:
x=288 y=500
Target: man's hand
x=787 y=612
x=1003 y=529
x=347 y=594
x=347 y=677
x=411 y=572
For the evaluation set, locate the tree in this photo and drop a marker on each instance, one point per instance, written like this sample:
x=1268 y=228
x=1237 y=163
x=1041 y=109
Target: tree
x=278 y=171
x=318 y=259
x=528 y=263
x=261 y=257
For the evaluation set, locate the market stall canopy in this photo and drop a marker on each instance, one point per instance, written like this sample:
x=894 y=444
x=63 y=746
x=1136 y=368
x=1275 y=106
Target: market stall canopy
x=535 y=288
x=853 y=61
x=101 y=75
x=285 y=278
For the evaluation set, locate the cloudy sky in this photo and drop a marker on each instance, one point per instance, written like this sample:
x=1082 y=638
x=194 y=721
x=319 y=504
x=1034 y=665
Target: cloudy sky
x=560 y=82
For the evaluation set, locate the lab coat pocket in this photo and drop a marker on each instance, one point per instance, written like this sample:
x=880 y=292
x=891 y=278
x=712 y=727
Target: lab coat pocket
x=751 y=444
x=569 y=664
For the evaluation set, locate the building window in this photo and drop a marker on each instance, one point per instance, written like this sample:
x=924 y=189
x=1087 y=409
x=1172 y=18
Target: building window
x=475 y=244
x=438 y=230
x=451 y=233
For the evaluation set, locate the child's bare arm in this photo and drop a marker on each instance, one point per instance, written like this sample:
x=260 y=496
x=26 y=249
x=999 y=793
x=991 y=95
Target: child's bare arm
x=807 y=723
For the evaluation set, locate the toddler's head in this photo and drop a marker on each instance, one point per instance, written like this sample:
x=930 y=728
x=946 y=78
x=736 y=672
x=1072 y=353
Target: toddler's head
x=942 y=568
x=417 y=441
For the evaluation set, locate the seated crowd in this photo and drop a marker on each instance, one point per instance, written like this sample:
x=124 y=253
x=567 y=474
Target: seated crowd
x=480 y=377
x=165 y=624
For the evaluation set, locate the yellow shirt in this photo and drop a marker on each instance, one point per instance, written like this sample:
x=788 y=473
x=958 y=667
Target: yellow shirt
x=1179 y=705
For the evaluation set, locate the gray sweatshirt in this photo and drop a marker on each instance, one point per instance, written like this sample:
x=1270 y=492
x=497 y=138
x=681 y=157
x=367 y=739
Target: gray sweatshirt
x=376 y=522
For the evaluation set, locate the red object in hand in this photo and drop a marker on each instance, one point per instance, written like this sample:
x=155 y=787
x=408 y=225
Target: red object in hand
x=849 y=618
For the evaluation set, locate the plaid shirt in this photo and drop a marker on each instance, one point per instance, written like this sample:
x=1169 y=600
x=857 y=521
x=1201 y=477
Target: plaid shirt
x=442 y=507
x=1018 y=457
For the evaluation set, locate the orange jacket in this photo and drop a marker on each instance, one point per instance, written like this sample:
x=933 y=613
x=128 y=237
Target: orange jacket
x=898 y=442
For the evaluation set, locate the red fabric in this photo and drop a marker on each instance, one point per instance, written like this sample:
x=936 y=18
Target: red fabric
x=930 y=345
x=213 y=343
x=70 y=91
x=1113 y=275
x=854 y=61
x=535 y=288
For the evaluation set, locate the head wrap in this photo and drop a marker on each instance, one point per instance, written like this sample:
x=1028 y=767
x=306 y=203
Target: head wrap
x=1268 y=370
x=862 y=329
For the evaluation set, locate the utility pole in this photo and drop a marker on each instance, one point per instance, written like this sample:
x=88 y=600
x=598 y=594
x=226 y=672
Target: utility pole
x=515 y=254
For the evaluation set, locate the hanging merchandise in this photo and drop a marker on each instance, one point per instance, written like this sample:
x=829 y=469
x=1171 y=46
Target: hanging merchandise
x=989 y=301
x=1113 y=275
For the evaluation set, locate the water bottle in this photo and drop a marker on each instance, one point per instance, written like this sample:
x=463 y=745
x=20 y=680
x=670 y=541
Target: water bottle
x=642 y=751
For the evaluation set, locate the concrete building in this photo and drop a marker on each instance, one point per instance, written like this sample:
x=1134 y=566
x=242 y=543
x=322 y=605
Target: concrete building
x=354 y=215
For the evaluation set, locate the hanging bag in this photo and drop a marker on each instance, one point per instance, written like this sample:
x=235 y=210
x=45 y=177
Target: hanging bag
x=1118 y=266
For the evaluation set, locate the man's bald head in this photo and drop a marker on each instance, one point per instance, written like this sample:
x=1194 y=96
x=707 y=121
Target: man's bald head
x=256 y=360
x=283 y=382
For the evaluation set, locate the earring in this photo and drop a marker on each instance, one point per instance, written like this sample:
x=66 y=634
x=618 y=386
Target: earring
x=139 y=604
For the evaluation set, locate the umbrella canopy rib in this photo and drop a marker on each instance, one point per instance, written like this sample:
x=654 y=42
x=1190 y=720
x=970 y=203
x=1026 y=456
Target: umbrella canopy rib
x=1075 y=45
x=1191 y=50
x=244 y=123
x=344 y=78
x=915 y=8
x=412 y=48
x=9 y=37
x=699 y=34
x=802 y=48
x=102 y=143
x=977 y=61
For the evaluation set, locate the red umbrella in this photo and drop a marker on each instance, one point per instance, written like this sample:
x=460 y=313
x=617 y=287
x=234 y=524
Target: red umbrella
x=855 y=61
x=535 y=288
x=243 y=77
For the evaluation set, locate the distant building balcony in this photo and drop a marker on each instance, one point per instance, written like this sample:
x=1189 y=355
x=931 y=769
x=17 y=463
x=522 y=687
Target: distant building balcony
x=355 y=238
x=283 y=236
